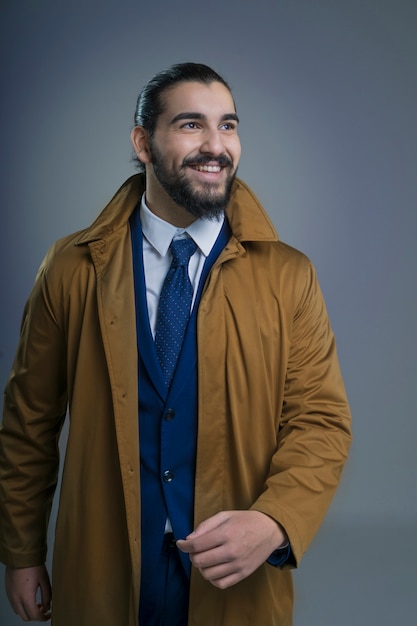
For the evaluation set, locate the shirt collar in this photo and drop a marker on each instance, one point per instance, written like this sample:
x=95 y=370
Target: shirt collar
x=160 y=233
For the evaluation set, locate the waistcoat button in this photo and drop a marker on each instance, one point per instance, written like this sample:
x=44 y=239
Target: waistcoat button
x=168 y=476
x=169 y=415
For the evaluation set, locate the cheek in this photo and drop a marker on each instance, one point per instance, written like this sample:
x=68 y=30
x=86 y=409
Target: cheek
x=177 y=151
x=236 y=150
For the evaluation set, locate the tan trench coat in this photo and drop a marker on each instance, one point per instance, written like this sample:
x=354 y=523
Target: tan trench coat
x=273 y=424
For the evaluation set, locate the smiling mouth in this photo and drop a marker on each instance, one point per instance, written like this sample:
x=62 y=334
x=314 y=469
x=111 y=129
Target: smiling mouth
x=209 y=164
x=213 y=169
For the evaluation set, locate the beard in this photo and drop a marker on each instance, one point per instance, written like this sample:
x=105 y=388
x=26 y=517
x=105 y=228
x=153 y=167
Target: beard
x=208 y=201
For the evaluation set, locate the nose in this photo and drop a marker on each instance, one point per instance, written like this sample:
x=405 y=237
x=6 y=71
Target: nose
x=212 y=142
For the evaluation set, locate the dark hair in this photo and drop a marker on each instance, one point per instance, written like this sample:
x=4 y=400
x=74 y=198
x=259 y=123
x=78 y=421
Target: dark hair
x=150 y=103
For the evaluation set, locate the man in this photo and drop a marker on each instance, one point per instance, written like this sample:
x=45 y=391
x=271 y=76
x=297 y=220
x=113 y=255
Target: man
x=192 y=483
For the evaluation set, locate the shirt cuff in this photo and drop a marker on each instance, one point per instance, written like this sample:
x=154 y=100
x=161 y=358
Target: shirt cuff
x=279 y=556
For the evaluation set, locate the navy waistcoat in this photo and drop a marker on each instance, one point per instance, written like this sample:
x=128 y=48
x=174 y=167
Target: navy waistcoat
x=167 y=417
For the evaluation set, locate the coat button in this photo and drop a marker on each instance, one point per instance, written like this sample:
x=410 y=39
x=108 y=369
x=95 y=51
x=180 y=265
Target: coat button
x=168 y=476
x=169 y=415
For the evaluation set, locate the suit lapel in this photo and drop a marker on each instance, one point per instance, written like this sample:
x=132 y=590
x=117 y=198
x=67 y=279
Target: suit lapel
x=146 y=346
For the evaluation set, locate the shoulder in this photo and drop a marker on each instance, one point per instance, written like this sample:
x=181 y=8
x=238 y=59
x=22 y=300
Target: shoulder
x=64 y=256
x=281 y=271
x=277 y=257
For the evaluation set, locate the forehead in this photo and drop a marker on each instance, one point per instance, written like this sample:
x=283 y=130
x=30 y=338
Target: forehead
x=213 y=100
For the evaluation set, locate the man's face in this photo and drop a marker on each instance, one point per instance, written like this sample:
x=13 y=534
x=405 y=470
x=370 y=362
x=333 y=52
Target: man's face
x=195 y=148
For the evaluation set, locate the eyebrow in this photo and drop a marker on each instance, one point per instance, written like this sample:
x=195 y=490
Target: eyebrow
x=190 y=115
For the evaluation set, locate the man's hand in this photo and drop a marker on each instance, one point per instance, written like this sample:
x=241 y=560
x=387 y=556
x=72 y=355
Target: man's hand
x=22 y=585
x=229 y=546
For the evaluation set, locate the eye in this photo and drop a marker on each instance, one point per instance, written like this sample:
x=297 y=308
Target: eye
x=190 y=126
x=228 y=126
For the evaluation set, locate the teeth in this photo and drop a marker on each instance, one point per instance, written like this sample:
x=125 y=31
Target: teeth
x=208 y=168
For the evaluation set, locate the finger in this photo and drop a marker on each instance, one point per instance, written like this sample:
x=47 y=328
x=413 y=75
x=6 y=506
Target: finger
x=207 y=536
x=184 y=545
x=25 y=608
x=28 y=612
x=45 y=613
x=210 y=558
x=222 y=576
x=226 y=581
x=36 y=613
x=203 y=543
x=46 y=595
x=211 y=523
x=219 y=570
x=20 y=610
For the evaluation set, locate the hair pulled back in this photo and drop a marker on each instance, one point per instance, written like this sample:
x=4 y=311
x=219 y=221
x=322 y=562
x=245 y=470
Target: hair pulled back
x=150 y=103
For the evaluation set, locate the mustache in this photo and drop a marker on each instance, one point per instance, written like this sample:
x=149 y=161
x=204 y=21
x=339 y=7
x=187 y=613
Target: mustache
x=204 y=159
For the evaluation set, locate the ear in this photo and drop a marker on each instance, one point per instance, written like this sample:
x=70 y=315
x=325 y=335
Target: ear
x=140 y=142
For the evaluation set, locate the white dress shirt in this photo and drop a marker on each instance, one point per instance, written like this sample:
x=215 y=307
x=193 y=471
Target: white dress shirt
x=157 y=237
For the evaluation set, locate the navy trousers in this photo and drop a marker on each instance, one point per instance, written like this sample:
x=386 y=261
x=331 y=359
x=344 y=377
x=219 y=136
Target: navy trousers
x=164 y=592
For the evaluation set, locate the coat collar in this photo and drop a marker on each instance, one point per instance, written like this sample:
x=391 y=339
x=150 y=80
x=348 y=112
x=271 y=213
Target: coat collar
x=247 y=218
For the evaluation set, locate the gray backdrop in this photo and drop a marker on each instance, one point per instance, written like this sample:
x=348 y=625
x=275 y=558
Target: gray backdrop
x=327 y=96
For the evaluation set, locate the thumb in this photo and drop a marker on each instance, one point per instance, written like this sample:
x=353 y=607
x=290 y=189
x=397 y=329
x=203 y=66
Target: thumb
x=211 y=523
x=45 y=591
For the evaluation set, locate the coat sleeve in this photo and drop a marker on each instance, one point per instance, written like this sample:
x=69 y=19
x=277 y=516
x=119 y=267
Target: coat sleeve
x=315 y=433
x=34 y=409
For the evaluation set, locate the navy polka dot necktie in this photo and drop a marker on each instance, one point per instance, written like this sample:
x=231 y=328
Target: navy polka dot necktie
x=174 y=307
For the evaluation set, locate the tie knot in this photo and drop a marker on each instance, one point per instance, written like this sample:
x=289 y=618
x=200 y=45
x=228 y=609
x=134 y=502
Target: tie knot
x=182 y=250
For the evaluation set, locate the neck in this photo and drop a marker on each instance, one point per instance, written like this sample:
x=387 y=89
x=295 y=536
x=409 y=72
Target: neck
x=174 y=214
